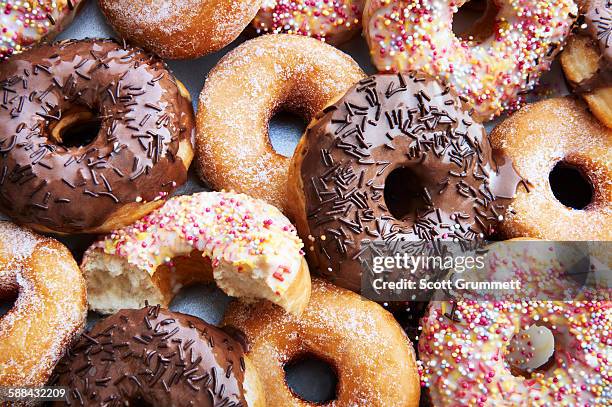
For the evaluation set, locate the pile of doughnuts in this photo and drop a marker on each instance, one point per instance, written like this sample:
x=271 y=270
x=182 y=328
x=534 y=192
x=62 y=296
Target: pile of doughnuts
x=98 y=136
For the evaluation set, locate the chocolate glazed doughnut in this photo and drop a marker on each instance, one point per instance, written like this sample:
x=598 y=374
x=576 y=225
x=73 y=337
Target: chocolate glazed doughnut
x=156 y=357
x=398 y=157
x=92 y=135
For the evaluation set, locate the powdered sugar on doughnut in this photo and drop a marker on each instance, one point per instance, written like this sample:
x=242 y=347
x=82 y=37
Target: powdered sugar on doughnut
x=243 y=92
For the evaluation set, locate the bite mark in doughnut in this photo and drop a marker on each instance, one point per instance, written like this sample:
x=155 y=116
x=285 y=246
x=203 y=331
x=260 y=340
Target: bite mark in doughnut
x=369 y=351
x=25 y=23
x=180 y=29
x=245 y=90
x=156 y=357
x=397 y=157
x=248 y=246
x=93 y=134
x=483 y=353
x=545 y=135
x=333 y=21
x=50 y=309
x=417 y=35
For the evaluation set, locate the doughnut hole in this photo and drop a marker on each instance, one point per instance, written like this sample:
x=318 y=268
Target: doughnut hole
x=571 y=185
x=311 y=378
x=475 y=20
x=7 y=302
x=531 y=350
x=78 y=127
x=285 y=129
x=403 y=193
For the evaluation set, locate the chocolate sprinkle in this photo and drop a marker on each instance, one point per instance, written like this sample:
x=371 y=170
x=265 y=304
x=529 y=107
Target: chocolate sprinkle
x=95 y=367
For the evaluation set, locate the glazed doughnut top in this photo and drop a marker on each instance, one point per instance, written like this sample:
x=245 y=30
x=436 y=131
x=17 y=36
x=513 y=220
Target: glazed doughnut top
x=134 y=155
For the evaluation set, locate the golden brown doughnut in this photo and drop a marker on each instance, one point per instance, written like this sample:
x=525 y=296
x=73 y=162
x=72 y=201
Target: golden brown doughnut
x=372 y=357
x=558 y=133
x=587 y=59
x=50 y=309
x=180 y=29
x=263 y=76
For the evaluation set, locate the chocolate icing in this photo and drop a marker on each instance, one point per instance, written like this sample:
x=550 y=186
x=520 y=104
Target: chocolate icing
x=155 y=357
x=132 y=158
x=383 y=123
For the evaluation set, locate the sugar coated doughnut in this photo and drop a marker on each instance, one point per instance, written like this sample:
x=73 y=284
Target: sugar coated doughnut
x=332 y=21
x=93 y=134
x=248 y=246
x=565 y=155
x=50 y=309
x=397 y=157
x=587 y=59
x=156 y=357
x=245 y=90
x=527 y=352
x=490 y=74
x=25 y=23
x=180 y=29
x=369 y=351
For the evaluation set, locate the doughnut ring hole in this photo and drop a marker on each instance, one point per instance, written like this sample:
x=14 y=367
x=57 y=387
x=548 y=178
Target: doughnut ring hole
x=475 y=20
x=285 y=129
x=78 y=127
x=311 y=378
x=531 y=350
x=403 y=191
x=571 y=185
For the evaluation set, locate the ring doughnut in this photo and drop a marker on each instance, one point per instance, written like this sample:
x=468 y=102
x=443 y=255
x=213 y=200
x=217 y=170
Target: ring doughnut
x=398 y=157
x=417 y=35
x=369 y=351
x=179 y=29
x=26 y=23
x=93 y=136
x=50 y=309
x=565 y=155
x=517 y=352
x=587 y=60
x=159 y=358
x=245 y=90
x=334 y=21
x=248 y=246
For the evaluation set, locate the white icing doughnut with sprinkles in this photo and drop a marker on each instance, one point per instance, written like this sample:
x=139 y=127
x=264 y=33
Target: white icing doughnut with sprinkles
x=332 y=21
x=418 y=35
x=24 y=23
x=533 y=352
x=248 y=247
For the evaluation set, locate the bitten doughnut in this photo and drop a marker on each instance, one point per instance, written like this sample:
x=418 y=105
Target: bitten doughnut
x=49 y=310
x=248 y=246
x=565 y=155
x=180 y=29
x=25 y=23
x=245 y=90
x=397 y=157
x=93 y=134
x=519 y=351
x=334 y=21
x=587 y=59
x=156 y=357
x=490 y=73
x=369 y=351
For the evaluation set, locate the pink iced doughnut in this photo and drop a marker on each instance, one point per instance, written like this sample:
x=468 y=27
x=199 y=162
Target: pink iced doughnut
x=417 y=35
